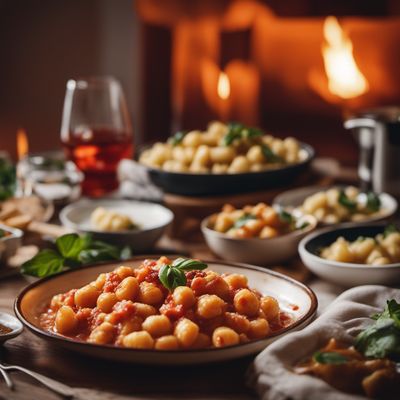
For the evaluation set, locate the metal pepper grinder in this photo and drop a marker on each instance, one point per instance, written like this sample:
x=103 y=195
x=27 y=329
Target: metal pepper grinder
x=378 y=134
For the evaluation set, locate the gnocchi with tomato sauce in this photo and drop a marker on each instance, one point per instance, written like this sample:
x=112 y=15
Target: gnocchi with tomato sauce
x=379 y=250
x=259 y=221
x=223 y=149
x=131 y=308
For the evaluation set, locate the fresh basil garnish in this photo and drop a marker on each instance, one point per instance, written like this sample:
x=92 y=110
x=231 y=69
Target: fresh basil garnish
x=346 y=202
x=373 y=202
x=391 y=228
x=173 y=275
x=269 y=155
x=177 y=138
x=328 y=357
x=286 y=217
x=237 y=131
x=240 y=222
x=72 y=251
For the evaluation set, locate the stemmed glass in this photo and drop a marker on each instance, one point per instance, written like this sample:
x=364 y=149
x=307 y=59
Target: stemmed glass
x=96 y=131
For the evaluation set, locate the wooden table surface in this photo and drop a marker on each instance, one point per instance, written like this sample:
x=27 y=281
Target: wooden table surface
x=220 y=380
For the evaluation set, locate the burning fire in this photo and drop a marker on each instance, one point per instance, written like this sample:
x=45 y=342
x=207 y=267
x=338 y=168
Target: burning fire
x=224 y=86
x=22 y=144
x=344 y=77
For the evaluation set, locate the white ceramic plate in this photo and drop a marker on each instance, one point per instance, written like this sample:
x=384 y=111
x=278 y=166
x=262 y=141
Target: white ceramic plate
x=10 y=322
x=152 y=220
x=31 y=302
x=346 y=274
x=291 y=199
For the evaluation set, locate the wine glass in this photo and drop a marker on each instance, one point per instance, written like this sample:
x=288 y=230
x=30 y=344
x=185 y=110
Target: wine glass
x=96 y=131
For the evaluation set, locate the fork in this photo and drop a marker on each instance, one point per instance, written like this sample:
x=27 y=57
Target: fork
x=7 y=379
x=51 y=384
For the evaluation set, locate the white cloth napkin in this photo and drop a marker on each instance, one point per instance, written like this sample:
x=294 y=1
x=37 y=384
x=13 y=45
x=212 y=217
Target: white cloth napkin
x=271 y=373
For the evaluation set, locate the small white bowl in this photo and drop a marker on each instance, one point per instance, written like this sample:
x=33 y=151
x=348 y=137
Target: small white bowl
x=11 y=322
x=292 y=199
x=255 y=250
x=346 y=274
x=9 y=244
x=151 y=218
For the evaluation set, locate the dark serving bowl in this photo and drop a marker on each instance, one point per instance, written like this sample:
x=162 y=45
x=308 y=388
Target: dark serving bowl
x=189 y=184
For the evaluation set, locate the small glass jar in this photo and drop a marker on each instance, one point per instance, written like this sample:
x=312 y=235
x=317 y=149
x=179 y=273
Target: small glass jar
x=49 y=176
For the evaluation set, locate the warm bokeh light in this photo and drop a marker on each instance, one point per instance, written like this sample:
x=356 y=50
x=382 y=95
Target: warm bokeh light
x=344 y=77
x=224 y=86
x=22 y=144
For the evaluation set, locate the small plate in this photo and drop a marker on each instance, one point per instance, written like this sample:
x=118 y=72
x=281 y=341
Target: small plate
x=9 y=244
x=151 y=218
x=32 y=300
x=346 y=274
x=291 y=199
x=10 y=322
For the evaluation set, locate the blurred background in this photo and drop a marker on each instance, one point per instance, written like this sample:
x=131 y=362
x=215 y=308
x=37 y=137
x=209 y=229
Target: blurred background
x=281 y=65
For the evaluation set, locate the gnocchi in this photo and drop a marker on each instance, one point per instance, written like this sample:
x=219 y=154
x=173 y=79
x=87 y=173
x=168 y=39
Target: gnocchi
x=132 y=308
x=222 y=149
x=108 y=220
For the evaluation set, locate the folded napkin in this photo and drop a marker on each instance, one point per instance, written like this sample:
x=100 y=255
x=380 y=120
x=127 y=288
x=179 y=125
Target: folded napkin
x=271 y=373
x=135 y=182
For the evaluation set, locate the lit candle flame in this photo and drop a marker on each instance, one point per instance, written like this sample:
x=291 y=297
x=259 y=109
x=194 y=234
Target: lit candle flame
x=344 y=77
x=22 y=144
x=224 y=86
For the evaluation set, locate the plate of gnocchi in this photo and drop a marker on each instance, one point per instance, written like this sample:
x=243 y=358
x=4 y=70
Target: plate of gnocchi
x=225 y=158
x=166 y=311
x=354 y=255
x=137 y=224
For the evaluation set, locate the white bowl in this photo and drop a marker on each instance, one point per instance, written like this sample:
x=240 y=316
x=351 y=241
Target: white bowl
x=346 y=274
x=9 y=244
x=255 y=250
x=292 y=199
x=294 y=298
x=151 y=218
x=11 y=322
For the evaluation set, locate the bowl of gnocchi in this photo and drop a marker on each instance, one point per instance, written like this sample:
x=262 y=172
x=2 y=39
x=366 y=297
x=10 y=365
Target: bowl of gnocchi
x=225 y=158
x=259 y=234
x=137 y=224
x=354 y=255
x=166 y=310
x=338 y=204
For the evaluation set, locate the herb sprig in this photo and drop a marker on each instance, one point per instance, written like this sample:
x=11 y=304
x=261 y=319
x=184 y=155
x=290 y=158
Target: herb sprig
x=237 y=131
x=177 y=138
x=173 y=275
x=373 y=202
x=72 y=251
x=345 y=201
x=269 y=155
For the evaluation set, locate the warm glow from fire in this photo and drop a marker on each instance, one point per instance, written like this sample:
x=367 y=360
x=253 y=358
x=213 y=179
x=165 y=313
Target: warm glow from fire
x=22 y=144
x=224 y=86
x=344 y=77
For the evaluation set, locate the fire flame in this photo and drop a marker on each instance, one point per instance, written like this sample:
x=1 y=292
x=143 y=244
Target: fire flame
x=22 y=144
x=344 y=77
x=224 y=86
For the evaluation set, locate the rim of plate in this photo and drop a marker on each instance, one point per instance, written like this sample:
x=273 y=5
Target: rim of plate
x=298 y=232
x=304 y=146
x=54 y=337
x=89 y=203
x=339 y=264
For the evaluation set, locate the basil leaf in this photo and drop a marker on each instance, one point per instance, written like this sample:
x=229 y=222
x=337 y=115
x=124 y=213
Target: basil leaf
x=177 y=138
x=394 y=311
x=163 y=276
x=303 y=225
x=178 y=277
x=373 y=202
x=391 y=228
x=45 y=263
x=327 y=357
x=239 y=131
x=269 y=155
x=70 y=245
x=286 y=217
x=346 y=202
x=188 y=264
x=89 y=256
x=240 y=222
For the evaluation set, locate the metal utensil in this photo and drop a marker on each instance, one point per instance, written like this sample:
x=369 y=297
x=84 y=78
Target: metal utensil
x=51 y=384
x=8 y=380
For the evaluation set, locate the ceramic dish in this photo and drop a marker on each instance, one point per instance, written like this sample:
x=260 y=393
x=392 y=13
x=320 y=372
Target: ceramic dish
x=10 y=243
x=292 y=199
x=152 y=220
x=346 y=274
x=12 y=323
x=217 y=184
x=289 y=292
x=255 y=250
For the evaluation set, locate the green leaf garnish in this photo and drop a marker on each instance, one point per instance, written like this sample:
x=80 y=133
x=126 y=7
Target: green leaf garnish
x=346 y=202
x=7 y=179
x=286 y=217
x=72 y=251
x=173 y=275
x=373 y=202
x=269 y=155
x=240 y=222
x=328 y=357
x=177 y=138
x=391 y=228
x=237 y=131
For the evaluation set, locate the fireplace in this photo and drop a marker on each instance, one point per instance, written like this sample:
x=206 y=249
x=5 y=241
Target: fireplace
x=244 y=60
